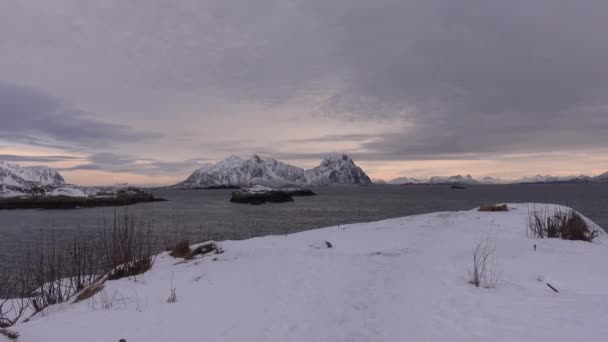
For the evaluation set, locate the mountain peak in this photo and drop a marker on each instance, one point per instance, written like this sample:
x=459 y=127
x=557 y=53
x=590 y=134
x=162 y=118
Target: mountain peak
x=26 y=177
x=257 y=170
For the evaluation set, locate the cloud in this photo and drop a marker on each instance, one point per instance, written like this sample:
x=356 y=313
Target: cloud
x=106 y=161
x=41 y=159
x=335 y=138
x=459 y=79
x=32 y=117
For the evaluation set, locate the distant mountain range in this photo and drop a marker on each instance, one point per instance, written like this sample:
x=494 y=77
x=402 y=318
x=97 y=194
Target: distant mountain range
x=468 y=180
x=256 y=170
x=234 y=171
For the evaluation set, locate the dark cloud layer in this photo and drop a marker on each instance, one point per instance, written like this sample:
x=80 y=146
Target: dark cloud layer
x=107 y=161
x=32 y=117
x=456 y=79
x=40 y=159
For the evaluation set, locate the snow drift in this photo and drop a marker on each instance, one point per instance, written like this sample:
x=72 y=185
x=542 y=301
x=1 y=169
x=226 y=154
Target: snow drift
x=403 y=279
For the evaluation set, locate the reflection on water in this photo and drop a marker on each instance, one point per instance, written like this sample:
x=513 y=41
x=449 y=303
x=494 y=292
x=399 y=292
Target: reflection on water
x=209 y=214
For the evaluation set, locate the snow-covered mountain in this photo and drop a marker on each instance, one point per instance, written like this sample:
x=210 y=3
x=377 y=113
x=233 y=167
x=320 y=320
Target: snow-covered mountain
x=337 y=169
x=407 y=180
x=555 y=179
x=436 y=180
x=603 y=178
x=236 y=171
x=13 y=175
x=468 y=180
x=492 y=180
x=459 y=179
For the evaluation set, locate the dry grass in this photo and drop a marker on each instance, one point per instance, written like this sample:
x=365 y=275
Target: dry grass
x=181 y=249
x=484 y=273
x=90 y=291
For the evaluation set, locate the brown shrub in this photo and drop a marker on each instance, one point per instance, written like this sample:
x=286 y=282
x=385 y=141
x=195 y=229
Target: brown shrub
x=575 y=228
x=493 y=207
x=564 y=224
x=181 y=249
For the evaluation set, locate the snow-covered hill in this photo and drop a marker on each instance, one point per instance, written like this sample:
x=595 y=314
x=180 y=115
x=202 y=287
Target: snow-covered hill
x=15 y=175
x=15 y=180
x=403 y=279
x=236 y=171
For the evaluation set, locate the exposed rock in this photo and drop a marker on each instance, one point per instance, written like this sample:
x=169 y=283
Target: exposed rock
x=119 y=197
x=493 y=207
x=205 y=248
x=259 y=197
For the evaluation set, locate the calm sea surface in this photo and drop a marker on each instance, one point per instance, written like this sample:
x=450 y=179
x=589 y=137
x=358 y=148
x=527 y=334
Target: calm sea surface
x=209 y=214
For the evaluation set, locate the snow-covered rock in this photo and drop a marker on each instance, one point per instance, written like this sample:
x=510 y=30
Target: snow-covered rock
x=379 y=182
x=403 y=279
x=67 y=191
x=236 y=171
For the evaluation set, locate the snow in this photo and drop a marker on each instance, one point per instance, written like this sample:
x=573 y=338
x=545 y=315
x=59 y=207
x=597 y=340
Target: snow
x=67 y=191
x=15 y=175
x=6 y=192
x=402 y=279
x=258 y=188
x=256 y=170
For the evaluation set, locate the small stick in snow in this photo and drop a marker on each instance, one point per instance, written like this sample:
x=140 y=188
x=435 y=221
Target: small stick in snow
x=552 y=288
x=329 y=245
x=535 y=247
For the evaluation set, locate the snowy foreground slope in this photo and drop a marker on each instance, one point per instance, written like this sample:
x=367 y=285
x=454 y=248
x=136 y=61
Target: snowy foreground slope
x=402 y=279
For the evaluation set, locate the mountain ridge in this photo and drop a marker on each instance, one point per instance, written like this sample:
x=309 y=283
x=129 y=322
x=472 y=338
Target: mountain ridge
x=469 y=180
x=256 y=170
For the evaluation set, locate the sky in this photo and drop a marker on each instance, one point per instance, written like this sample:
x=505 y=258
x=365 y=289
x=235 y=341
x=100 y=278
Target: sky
x=146 y=91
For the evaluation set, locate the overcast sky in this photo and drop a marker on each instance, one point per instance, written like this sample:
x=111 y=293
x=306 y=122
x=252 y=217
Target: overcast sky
x=144 y=91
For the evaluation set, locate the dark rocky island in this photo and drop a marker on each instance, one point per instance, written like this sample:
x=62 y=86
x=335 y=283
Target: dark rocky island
x=261 y=194
x=112 y=197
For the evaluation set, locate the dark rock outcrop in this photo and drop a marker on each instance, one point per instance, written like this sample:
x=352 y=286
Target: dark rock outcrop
x=259 y=197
